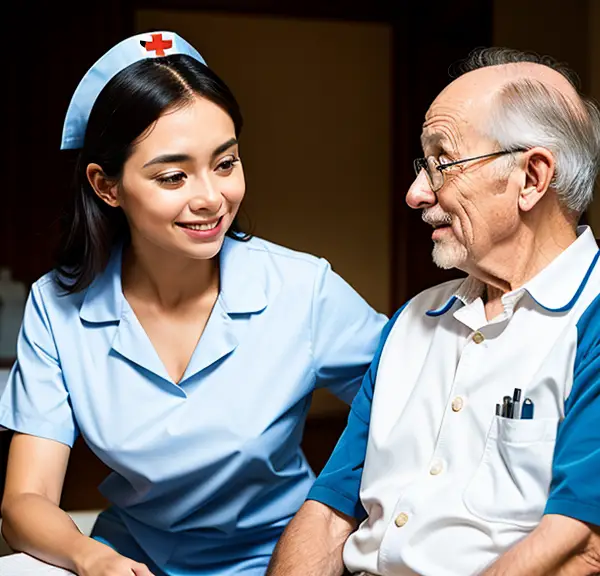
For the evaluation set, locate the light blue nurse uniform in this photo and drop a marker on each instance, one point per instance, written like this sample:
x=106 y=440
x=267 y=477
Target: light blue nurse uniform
x=207 y=472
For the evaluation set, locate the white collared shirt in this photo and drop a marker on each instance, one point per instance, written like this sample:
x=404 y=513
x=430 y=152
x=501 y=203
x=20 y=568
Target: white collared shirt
x=447 y=485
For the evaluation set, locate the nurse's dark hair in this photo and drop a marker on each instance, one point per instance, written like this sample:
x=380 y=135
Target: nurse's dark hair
x=134 y=99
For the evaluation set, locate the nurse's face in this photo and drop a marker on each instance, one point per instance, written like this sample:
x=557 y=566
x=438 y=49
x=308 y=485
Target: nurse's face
x=183 y=184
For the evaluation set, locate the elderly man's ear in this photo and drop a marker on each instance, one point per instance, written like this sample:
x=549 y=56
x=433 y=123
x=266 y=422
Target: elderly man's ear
x=538 y=173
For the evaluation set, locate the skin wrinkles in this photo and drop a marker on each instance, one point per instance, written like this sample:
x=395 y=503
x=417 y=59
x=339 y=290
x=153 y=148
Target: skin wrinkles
x=441 y=132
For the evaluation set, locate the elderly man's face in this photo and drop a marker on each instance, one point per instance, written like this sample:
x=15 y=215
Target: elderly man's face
x=476 y=210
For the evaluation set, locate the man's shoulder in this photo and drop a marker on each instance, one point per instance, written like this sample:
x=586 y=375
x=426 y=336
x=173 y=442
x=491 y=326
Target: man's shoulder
x=588 y=334
x=422 y=308
x=432 y=300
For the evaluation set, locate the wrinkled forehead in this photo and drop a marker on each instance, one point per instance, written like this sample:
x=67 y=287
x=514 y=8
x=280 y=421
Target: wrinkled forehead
x=455 y=118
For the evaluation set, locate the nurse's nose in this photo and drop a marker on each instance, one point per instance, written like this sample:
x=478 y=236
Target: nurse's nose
x=207 y=197
x=420 y=195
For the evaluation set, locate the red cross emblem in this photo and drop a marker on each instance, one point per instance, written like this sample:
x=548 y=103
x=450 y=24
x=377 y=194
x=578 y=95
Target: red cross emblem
x=158 y=44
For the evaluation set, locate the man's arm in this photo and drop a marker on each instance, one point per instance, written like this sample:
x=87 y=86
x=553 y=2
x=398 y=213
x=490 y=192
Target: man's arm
x=559 y=546
x=312 y=543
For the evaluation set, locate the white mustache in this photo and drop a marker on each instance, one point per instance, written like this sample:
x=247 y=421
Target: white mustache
x=435 y=216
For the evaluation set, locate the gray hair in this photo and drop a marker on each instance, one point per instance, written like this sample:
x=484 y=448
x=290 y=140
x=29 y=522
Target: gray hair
x=530 y=113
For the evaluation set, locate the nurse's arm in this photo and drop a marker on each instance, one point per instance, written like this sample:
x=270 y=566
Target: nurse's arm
x=32 y=520
x=559 y=546
x=312 y=543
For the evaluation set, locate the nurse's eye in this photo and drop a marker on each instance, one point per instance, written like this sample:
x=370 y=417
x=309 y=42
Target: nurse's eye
x=171 y=179
x=226 y=166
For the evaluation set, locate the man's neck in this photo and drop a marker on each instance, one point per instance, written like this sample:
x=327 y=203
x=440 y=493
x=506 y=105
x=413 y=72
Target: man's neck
x=517 y=261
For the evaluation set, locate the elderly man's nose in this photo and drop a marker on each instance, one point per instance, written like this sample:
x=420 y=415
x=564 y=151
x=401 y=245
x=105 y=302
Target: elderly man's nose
x=420 y=195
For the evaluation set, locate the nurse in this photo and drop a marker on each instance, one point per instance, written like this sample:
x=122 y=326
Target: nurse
x=183 y=351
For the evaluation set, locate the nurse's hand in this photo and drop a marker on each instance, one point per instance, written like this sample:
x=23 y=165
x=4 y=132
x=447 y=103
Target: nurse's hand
x=104 y=561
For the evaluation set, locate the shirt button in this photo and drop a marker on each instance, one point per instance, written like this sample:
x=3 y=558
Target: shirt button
x=436 y=468
x=401 y=520
x=478 y=337
x=457 y=404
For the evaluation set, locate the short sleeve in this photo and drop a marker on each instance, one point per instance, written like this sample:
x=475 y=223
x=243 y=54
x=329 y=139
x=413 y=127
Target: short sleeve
x=338 y=485
x=575 y=489
x=345 y=333
x=35 y=400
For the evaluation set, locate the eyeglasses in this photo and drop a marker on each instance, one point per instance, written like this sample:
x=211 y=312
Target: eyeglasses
x=435 y=171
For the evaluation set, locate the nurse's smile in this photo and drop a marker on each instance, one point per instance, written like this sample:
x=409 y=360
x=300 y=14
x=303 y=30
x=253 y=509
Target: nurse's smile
x=202 y=230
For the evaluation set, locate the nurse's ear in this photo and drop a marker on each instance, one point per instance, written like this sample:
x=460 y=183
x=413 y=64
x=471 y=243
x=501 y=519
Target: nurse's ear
x=106 y=188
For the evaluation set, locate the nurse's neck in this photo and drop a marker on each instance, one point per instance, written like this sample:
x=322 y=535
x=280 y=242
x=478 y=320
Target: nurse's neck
x=168 y=281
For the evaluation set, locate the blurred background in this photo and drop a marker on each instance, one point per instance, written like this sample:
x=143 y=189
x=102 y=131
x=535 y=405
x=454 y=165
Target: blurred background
x=333 y=94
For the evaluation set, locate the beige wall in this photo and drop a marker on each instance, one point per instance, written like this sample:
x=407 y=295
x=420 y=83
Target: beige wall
x=316 y=141
x=567 y=30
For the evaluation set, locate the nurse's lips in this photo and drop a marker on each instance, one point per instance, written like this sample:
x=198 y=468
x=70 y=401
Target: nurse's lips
x=202 y=229
x=201 y=224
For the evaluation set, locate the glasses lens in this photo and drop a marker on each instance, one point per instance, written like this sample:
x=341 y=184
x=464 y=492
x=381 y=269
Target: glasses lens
x=419 y=164
x=436 y=177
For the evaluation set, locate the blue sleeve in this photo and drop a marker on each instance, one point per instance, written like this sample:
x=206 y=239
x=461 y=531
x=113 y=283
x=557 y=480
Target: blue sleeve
x=338 y=485
x=35 y=400
x=345 y=332
x=575 y=487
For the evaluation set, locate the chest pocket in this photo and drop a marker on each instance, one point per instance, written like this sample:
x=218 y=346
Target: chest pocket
x=512 y=481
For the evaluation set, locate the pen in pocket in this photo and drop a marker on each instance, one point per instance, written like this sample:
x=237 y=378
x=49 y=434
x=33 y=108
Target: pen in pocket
x=513 y=408
x=517 y=404
x=527 y=409
x=506 y=407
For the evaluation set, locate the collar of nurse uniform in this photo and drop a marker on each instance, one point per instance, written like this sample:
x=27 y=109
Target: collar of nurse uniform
x=555 y=289
x=241 y=292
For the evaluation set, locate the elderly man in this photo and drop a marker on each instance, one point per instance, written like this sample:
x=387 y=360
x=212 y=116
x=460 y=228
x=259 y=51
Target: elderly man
x=473 y=445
